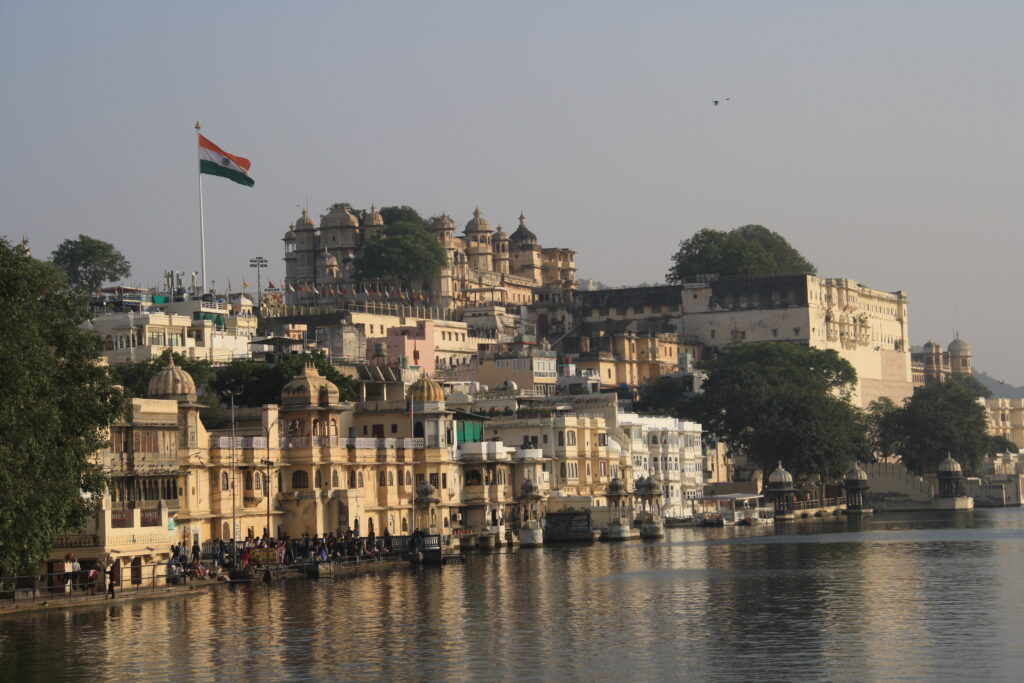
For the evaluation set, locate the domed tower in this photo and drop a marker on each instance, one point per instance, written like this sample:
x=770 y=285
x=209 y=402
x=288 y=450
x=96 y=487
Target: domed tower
x=430 y=421
x=931 y=356
x=309 y=389
x=501 y=257
x=443 y=227
x=478 y=242
x=289 y=255
x=959 y=357
x=951 y=479
x=524 y=253
x=856 y=487
x=173 y=383
x=434 y=457
x=328 y=271
x=373 y=221
x=780 y=492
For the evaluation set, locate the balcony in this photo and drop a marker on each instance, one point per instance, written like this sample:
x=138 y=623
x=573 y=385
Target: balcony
x=485 y=451
x=499 y=493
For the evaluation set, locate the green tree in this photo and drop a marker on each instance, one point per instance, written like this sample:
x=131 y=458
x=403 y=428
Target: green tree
x=404 y=253
x=1000 y=444
x=788 y=261
x=883 y=427
x=135 y=376
x=393 y=215
x=260 y=383
x=89 y=262
x=940 y=419
x=668 y=395
x=788 y=403
x=749 y=251
x=58 y=402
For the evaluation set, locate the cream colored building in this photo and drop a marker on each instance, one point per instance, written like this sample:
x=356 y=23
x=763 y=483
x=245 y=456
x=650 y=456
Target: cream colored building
x=485 y=264
x=1006 y=418
x=865 y=326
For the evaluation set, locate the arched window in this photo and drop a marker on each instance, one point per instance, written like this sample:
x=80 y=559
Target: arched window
x=225 y=532
x=417 y=430
x=248 y=481
x=300 y=479
x=570 y=437
x=334 y=478
x=359 y=477
x=259 y=481
x=383 y=479
x=352 y=479
x=561 y=438
x=224 y=485
x=405 y=525
x=408 y=477
x=654 y=439
x=316 y=427
x=445 y=522
x=562 y=470
x=319 y=479
x=334 y=427
x=391 y=478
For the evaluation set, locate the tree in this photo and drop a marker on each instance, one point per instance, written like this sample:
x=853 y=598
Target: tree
x=135 y=376
x=940 y=419
x=89 y=262
x=58 y=403
x=668 y=395
x=749 y=251
x=1000 y=444
x=258 y=383
x=404 y=253
x=393 y=215
x=788 y=403
x=883 y=428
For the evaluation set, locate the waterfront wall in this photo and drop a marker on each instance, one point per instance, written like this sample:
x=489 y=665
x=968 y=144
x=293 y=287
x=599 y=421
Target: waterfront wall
x=893 y=487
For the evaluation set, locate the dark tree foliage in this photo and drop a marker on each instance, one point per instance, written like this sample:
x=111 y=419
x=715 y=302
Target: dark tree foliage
x=749 y=251
x=940 y=419
x=58 y=402
x=1000 y=444
x=788 y=403
x=393 y=215
x=88 y=262
x=403 y=253
x=668 y=395
x=260 y=383
x=883 y=428
x=134 y=377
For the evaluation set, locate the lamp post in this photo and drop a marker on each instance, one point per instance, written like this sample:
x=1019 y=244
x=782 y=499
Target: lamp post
x=259 y=263
x=234 y=528
x=267 y=462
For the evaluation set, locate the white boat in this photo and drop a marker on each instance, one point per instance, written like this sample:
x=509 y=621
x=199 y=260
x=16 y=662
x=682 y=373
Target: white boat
x=728 y=509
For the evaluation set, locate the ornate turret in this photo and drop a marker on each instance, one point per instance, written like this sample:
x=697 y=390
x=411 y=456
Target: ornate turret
x=309 y=388
x=173 y=383
x=856 y=486
x=780 y=492
x=373 y=217
x=426 y=390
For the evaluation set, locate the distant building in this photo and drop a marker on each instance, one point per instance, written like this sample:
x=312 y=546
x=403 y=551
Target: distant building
x=932 y=364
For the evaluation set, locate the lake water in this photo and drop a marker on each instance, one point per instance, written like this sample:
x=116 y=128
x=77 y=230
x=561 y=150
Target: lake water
x=916 y=596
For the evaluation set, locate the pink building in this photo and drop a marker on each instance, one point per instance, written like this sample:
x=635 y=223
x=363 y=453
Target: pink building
x=416 y=344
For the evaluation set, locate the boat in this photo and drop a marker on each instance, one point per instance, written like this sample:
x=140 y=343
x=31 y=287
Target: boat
x=729 y=509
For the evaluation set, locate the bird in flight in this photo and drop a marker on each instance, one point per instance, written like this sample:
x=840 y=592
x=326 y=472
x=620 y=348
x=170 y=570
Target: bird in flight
x=715 y=102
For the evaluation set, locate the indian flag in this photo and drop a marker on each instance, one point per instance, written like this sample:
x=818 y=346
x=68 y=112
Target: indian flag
x=215 y=161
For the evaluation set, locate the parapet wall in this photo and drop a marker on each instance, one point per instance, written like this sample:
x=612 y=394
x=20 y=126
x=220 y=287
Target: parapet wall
x=893 y=487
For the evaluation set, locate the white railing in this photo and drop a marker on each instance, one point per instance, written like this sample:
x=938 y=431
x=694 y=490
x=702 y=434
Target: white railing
x=369 y=443
x=223 y=442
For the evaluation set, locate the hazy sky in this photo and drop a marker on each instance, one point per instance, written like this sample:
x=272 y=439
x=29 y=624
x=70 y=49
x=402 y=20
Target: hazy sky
x=883 y=139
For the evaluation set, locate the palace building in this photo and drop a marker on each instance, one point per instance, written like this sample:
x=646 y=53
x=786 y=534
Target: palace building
x=485 y=264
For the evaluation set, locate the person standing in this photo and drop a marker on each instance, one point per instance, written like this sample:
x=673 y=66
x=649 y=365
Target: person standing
x=113 y=578
x=197 y=552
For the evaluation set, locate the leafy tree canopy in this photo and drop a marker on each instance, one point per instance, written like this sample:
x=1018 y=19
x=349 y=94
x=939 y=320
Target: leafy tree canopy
x=668 y=395
x=260 y=383
x=405 y=253
x=940 y=419
x=88 y=262
x=58 y=402
x=393 y=215
x=788 y=403
x=748 y=251
x=1000 y=444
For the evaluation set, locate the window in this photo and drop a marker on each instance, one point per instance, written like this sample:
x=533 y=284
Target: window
x=570 y=437
x=408 y=477
x=334 y=478
x=248 y=481
x=444 y=480
x=383 y=479
x=319 y=479
x=561 y=438
x=394 y=428
x=359 y=478
x=300 y=479
x=391 y=478
x=352 y=479
x=224 y=485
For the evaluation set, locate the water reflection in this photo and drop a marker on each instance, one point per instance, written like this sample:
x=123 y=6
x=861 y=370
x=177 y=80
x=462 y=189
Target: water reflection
x=929 y=596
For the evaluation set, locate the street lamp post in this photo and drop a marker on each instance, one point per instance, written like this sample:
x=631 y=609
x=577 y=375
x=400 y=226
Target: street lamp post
x=234 y=524
x=259 y=263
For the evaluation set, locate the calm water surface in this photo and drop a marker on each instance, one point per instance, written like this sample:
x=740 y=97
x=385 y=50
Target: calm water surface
x=918 y=596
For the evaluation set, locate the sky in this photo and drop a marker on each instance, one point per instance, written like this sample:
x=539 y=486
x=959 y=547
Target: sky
x=882 y=139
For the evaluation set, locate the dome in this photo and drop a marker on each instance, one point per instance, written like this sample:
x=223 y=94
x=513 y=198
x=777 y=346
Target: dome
x=304 y=222
x=780 y=476
x=339 y=217
x=616 y=487
x=856 y=473
x=614 y=448
x=373 y=217
x=500 y=235
x=478 y=223
x=949 y=465
x=958 y=347
x=523 y=235
x=308 y=388
x=426 y=390
x=174 y=383
x=443 y=222
x=932 y=346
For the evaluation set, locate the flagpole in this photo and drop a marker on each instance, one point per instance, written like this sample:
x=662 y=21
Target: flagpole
x=202 y=222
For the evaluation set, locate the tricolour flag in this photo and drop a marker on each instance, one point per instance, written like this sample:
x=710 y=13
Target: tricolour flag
x=215 y=161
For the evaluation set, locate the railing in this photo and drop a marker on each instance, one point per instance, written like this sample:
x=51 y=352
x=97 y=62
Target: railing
x=87 y=582
x=818 y=503
x=238 y=442
x=121 y=519
x=368 y=443
x=76 y=540
x=150 y=517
